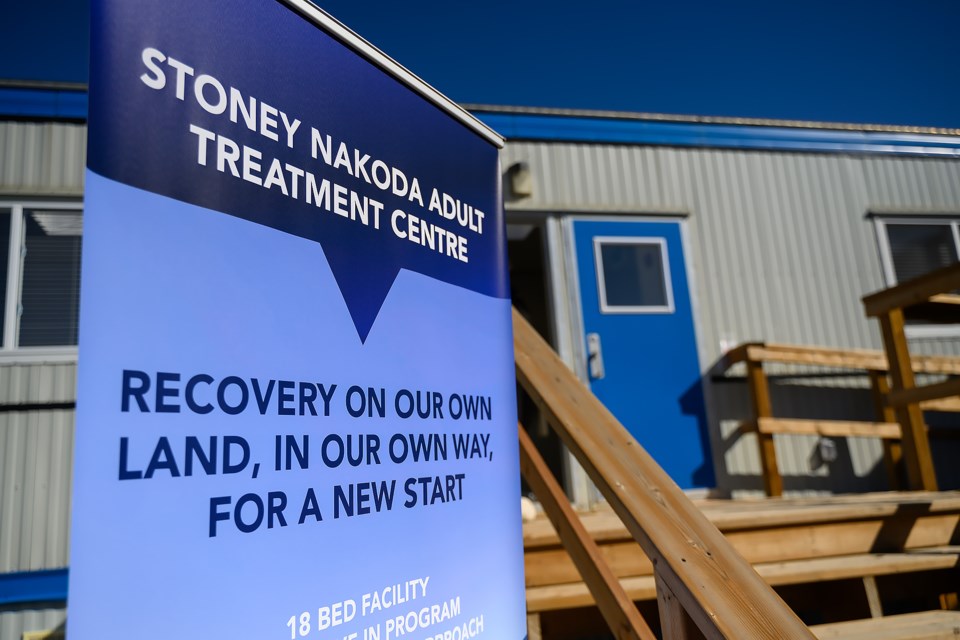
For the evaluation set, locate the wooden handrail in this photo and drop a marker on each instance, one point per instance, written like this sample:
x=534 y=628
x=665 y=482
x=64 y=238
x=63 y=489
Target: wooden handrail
x=917 y=395
x=912 y=292
x=701 y=574
x=826 y=428
x=856 y=359
x=891 y=428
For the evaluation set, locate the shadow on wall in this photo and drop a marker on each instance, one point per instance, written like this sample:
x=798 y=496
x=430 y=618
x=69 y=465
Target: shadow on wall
x=691 y=404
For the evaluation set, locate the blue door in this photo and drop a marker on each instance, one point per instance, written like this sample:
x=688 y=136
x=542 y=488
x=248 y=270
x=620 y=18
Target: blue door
x=640 y=340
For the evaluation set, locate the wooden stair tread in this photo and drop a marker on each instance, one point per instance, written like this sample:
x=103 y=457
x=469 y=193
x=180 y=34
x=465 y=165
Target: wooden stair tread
x=927 y=625
x=730 y=515
x=575 y=594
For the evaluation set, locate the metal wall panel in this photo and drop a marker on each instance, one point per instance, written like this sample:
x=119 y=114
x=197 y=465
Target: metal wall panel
x=38 y=383
x=36 y=454
x=36 y=443
x=14 y=621
x=782 y=248
x=42 y=158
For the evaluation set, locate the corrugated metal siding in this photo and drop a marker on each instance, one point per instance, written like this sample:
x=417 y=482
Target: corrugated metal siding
x=42 y=158
x=780 y=246
x=36 y=455
x=13 y=622
x=38 y=383
x=782 y=249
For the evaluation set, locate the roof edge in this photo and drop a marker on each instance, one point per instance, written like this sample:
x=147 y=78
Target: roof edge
x=719 y=120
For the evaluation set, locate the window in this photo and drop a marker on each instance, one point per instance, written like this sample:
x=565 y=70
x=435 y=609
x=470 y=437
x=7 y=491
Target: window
x=633 y=275
x=911 y=247
x=40 y=275
x=916 y=248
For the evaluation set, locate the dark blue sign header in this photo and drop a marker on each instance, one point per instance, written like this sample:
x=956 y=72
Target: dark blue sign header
x=299 y=133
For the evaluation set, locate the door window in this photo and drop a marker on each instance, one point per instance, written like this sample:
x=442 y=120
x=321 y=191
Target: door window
x=633 y=275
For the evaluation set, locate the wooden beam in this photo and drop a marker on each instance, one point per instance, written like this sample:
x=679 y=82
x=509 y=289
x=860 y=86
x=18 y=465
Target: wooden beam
x=916 y=446
x=533 y=627
x=926 y=625
x=943 y=404
x=892 y=449
x=807 y=571
x=840 y=358
x=762 y=410
x=854 y=359
x=675 y=624
x=777 y=517
x=915 y=395
x=946 y=298
x=617 y=609
x=873 y=596
x=719 y=590
x=768 y=545
x=913 y=291
x=830 y=428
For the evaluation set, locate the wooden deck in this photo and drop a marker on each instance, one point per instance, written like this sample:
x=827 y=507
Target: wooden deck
x=657 y=565
x=834 y=560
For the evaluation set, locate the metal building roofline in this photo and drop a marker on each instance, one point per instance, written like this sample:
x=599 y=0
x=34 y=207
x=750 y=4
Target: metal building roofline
x=561 y=125
x=40 y=101
x=696 y=119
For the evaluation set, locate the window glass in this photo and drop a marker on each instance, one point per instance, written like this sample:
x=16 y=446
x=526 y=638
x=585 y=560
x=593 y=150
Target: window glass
x=50 y=293
x=917 y=249
x=632 y=276
x=4 y=245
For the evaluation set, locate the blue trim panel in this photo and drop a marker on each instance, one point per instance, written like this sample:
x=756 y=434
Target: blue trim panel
x=33 y=586
x=43 y=103
x=684 y=134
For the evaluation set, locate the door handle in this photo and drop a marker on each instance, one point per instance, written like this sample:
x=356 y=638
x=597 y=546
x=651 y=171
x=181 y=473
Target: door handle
x=595 y=356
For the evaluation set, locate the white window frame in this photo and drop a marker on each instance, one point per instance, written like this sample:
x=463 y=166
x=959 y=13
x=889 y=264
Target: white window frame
x=605 y=308
x=15 y=255
x=889 y=273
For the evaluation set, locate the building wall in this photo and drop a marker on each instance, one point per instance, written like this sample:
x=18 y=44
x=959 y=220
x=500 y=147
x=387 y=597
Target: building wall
x=41 y=160
x=40 y=617
x=782 y=247
x=782 y=250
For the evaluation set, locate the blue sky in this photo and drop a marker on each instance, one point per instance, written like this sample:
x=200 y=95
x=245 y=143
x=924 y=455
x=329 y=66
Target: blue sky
x=881 y=61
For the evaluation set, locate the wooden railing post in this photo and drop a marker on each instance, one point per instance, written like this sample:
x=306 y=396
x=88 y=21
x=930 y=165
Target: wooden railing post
x=916 y=445
x=927 y=298
x=675 y=623
x=762 y=408
x=892 y=449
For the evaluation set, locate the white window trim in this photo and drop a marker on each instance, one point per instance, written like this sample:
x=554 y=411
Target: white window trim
x=11 y=321
x=605 y=308
x=36 y=355
x=890 y=276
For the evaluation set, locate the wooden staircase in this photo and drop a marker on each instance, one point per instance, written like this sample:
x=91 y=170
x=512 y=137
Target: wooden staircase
x=654 y=545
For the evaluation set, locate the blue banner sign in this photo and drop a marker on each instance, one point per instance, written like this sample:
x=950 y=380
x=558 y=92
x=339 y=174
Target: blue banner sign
x=296 y=404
